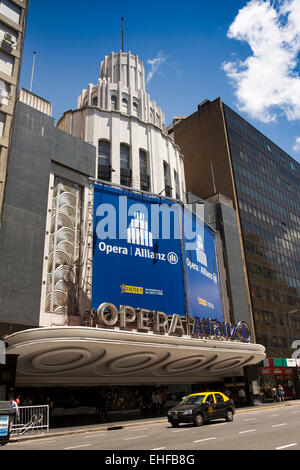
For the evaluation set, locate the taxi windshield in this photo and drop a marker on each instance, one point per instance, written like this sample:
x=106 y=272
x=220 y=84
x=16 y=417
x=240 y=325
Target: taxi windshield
x=193 y=400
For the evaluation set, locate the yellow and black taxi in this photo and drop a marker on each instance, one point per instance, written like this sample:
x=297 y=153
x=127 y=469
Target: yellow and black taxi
x=201 y=407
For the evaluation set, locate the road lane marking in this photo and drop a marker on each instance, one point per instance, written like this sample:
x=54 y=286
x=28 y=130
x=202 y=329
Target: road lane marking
x=180 y=430
x=207 y=439
x=286 y=446
x=136 y=437
x=248 y=430
x=159 y=448
x=250 y=419
x=271 y=416
x=77 y=447
x=95 y=435
x=276 y=425
x=216 y=424
x=293 y=412
x=40 y=441
x=144 y=427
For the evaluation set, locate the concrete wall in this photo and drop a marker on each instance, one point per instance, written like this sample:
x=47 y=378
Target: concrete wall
x=36 y=146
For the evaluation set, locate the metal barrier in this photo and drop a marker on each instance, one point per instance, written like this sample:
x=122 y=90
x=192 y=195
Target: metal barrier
x=31 y=419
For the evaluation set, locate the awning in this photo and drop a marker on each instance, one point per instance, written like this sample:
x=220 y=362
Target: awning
x=80 y=356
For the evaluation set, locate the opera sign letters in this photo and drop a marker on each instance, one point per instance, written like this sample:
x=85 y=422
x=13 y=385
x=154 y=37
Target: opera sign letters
x=159 y=323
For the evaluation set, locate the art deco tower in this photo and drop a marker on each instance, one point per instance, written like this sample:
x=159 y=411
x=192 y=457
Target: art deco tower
x=128 y=130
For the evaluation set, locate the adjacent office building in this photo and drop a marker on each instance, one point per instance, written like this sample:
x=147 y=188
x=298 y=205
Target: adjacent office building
x=225 y=154
x=13 y=14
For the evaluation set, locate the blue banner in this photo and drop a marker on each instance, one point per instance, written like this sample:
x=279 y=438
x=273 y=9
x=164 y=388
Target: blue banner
x=202 y=282
x=137 y=253
x=4 y=422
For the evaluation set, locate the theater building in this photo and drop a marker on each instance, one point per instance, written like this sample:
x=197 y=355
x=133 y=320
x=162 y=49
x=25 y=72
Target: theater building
x=127 y=314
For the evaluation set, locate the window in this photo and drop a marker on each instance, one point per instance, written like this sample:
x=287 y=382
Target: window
x=168 y=189
x=125 y=165
x=6 y=63
x=143 y=162
x=125 y=105
x=124 y=156
x=135 y=109
x=104 y=152
x=177 y=188
x=144 y=177
x=209 y=399
x=2 y=123
x=219 y=398
x=104 y=169
x=95 y=101
x=114 y=102
x=10 y=10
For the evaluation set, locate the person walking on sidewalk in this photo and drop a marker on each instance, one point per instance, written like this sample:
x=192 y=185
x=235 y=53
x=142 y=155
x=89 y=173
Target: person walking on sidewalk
x=101 y=409
x=280 y=393
x=274 y=393
x=242 y=396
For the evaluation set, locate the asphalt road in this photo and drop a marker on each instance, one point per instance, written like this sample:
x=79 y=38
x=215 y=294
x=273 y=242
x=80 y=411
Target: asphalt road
x=262 y=429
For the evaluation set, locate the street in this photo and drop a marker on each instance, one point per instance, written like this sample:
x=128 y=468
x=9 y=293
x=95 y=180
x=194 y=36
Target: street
x=275 y=428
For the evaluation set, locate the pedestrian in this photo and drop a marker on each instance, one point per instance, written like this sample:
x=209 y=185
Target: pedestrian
x=242 y=396
x=102 y=406
x=158 y=402
x=18 y=400
x=274 y=393
x=153 y=401
x=15 y=409
x=280 y=393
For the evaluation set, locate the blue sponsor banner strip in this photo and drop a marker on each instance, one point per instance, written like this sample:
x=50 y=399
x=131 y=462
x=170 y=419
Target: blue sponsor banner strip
x=136 y=262
x=202 y=280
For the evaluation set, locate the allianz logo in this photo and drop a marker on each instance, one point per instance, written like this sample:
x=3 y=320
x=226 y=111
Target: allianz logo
x=137 y=232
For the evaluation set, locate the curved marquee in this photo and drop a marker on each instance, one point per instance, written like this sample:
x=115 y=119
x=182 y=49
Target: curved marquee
x=93 y=356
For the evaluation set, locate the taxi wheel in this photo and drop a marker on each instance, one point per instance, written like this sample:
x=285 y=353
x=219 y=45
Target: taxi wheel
x=229 y=415
x=199 y=420
x=175 y=424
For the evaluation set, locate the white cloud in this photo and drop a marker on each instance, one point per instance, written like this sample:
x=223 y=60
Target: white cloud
x=267 y=83
x=155 y=65
x=296 y=147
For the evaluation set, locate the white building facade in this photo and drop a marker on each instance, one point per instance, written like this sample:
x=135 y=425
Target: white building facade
x=128 y=130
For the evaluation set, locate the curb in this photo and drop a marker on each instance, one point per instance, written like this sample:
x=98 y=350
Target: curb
x=128 y=425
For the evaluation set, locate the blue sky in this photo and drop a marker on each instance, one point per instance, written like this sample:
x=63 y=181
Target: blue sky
x=245 y=52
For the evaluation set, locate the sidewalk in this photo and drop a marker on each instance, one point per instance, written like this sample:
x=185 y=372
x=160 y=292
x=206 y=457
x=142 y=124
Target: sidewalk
x=110 y=426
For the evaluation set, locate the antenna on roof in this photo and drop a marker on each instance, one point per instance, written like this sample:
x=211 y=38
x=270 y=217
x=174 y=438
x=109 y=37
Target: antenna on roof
x=32 y=71
x=122 y=19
